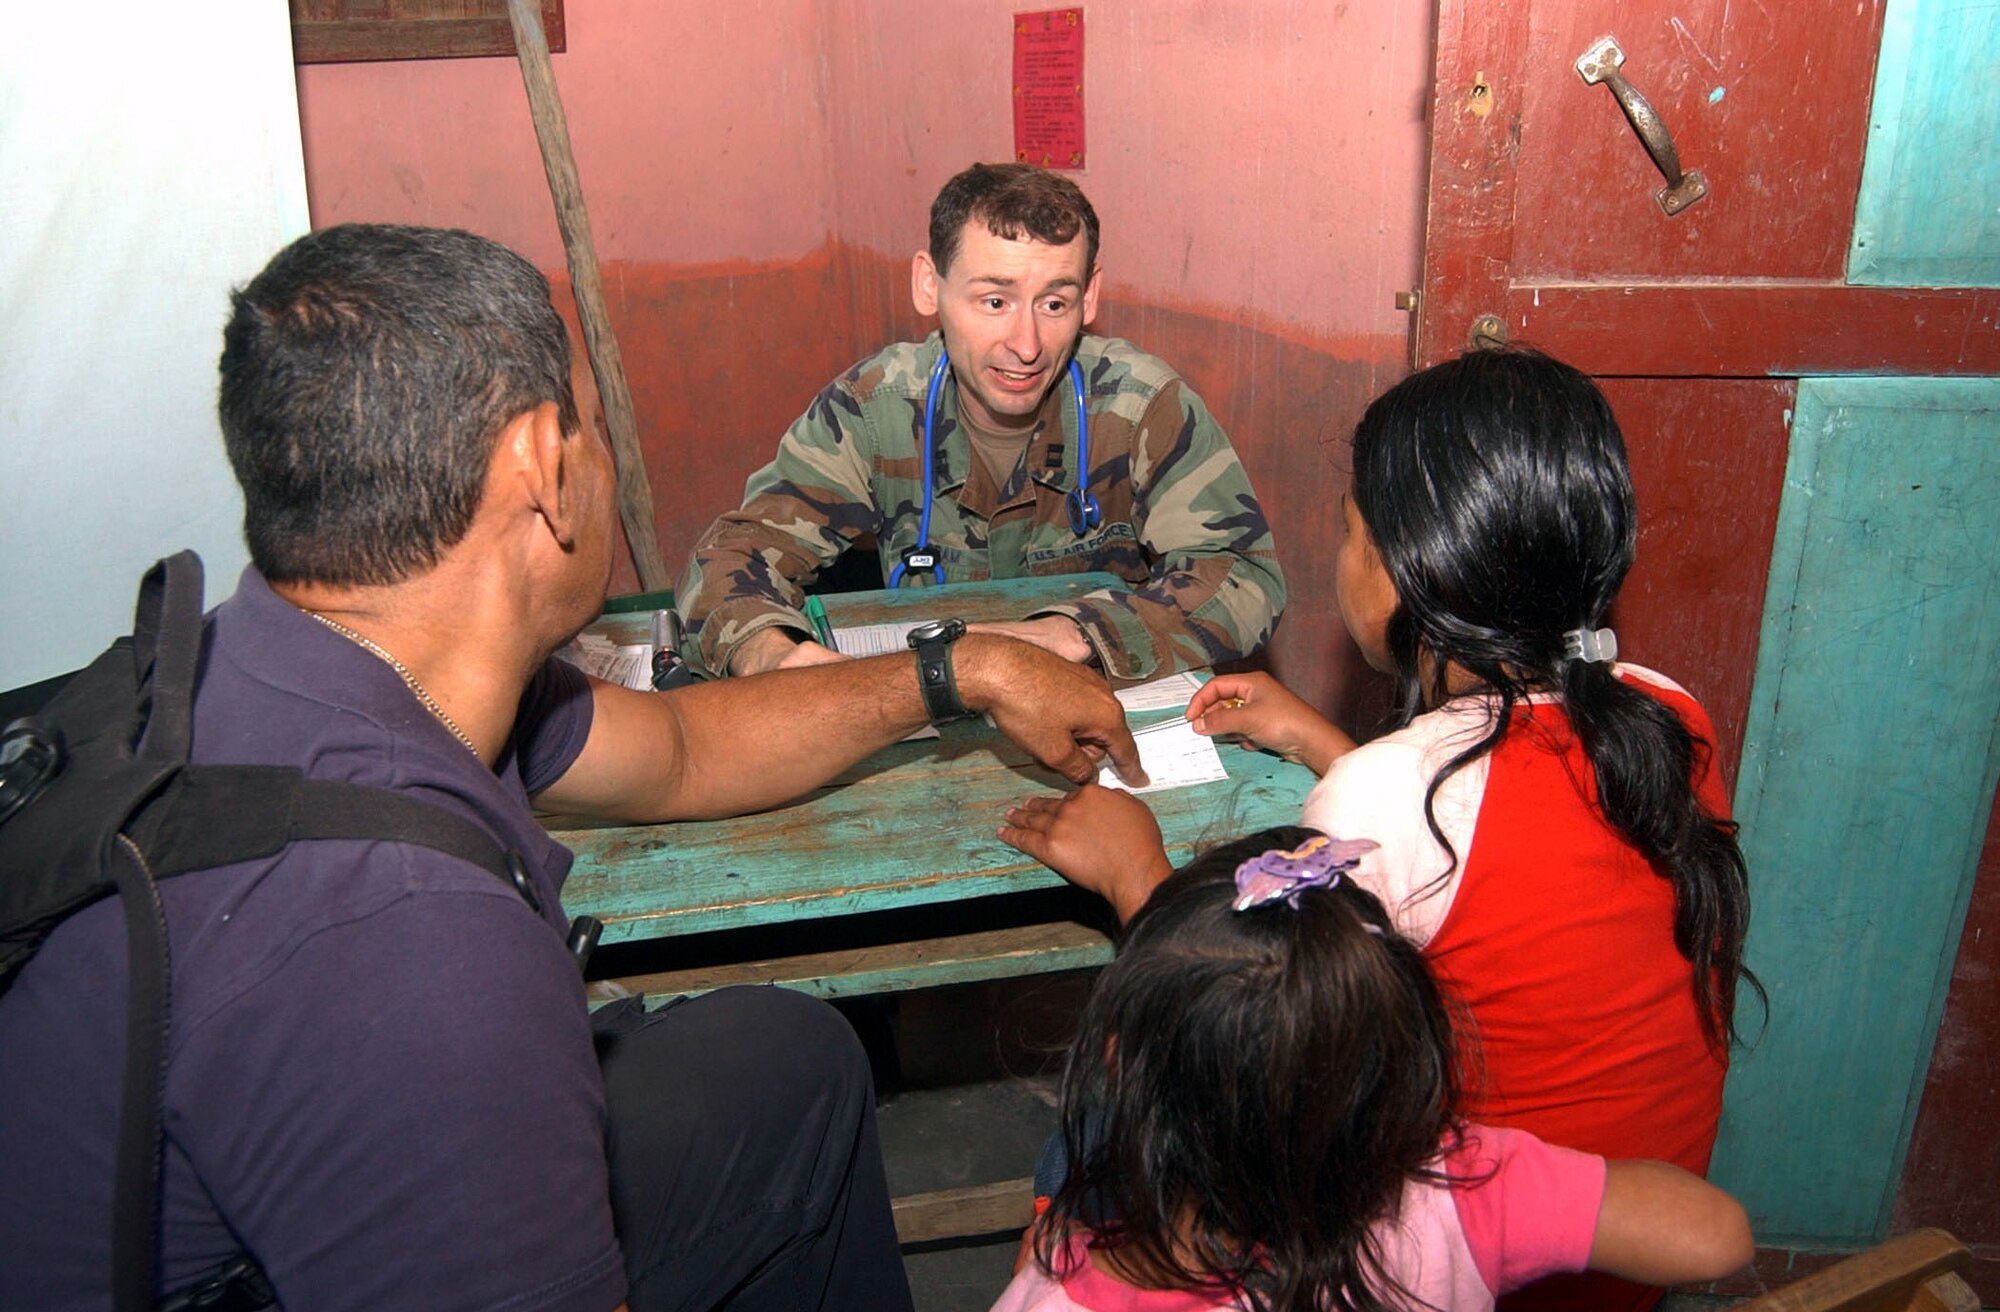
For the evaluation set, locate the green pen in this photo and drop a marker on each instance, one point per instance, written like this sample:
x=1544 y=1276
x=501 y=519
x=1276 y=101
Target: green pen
x=816 y=612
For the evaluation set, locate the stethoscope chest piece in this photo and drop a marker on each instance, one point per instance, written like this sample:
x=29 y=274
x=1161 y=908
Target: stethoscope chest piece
x=1084 y=514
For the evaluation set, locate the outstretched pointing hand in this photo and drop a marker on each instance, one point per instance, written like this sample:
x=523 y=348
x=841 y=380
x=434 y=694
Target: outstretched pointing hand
x=1063 y=715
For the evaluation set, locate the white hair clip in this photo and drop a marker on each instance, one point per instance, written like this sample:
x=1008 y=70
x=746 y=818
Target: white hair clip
x=1590 y=645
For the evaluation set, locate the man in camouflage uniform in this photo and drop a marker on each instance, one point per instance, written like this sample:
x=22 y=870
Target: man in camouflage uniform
x=1011 y=272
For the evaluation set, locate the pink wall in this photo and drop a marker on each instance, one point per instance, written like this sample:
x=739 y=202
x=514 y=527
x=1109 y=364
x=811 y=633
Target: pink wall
x=1261 y=161
x=758 y=174
x=699 y=139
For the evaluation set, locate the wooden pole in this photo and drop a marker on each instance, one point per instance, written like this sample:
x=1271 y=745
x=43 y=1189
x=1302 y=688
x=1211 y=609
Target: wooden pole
x=635 y=493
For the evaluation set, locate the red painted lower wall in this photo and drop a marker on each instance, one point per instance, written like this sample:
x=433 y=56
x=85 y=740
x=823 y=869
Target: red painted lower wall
x=720 y=360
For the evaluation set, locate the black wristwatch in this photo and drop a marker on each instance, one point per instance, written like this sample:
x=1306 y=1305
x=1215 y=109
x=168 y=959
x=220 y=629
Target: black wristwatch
x=932 y=642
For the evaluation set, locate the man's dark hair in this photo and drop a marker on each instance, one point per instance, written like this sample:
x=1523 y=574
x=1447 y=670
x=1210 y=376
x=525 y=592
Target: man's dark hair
x=1015 y=201
x=366 y=374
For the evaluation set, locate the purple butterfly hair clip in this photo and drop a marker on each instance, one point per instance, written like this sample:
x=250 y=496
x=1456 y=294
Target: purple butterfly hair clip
x=1315 y=863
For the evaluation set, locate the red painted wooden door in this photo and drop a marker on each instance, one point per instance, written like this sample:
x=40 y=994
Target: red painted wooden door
x=1543 y=210
x=1545 y=226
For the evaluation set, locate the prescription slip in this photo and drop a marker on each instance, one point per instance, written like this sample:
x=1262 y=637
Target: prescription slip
x=1173 y=754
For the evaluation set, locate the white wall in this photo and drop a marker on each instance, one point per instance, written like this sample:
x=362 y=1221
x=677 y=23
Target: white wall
x=149 y=160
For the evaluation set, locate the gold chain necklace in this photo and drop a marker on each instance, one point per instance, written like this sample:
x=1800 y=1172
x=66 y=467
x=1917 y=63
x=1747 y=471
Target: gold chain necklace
x=423 y=695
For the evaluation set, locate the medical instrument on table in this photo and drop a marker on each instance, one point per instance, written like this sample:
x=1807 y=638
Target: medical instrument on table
x=1084 y=514
x=669 y=671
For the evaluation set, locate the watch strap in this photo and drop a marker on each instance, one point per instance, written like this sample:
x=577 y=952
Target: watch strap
x=936 y=680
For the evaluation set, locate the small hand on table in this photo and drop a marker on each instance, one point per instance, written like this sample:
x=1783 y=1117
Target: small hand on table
x=1097 y=838
x=1257 y=709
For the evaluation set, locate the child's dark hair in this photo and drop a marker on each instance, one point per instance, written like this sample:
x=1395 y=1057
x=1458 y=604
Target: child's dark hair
x=1496 y=489
x=1250 y=1090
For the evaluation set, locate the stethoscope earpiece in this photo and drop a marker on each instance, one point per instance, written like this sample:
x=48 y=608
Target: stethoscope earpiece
x=1084 y=512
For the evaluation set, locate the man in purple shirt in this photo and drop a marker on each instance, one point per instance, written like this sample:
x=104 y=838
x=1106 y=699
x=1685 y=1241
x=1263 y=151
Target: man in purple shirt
x=383 y=1083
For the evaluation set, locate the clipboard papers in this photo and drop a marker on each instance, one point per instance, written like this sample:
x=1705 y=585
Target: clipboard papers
x=873 y=639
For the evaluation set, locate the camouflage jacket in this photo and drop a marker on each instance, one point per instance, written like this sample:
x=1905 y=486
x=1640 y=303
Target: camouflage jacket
x=1180 y=523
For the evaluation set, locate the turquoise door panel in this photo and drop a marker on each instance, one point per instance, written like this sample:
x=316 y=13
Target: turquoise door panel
x=1929 y=210
x=1868 y=772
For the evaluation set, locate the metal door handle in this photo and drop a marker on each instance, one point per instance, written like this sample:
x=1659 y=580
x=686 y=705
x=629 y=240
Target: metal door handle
x=1601 y=63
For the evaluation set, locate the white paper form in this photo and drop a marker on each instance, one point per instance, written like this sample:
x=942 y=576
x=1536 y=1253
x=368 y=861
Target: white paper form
x=628 y=665
x=873 y=639
x=1169 y=693
x=1174 y=756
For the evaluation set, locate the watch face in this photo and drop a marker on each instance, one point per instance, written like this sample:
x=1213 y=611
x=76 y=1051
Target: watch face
x=937 y=630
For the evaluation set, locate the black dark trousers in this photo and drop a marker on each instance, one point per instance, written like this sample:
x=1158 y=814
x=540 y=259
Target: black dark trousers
x=746 y=1172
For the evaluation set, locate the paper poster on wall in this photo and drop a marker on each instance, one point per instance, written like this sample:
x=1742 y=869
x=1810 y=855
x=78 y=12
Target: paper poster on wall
x=1048 y=88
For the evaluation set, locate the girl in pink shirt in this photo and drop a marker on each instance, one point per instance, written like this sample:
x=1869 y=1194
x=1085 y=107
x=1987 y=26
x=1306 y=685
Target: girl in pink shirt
x=1259 y=1112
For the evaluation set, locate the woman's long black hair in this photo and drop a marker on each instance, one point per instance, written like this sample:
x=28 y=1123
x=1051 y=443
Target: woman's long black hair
x=1250 y=1090
x=1496 y=489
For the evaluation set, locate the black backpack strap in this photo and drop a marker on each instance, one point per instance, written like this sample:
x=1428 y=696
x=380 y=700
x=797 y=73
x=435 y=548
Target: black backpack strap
x=135 y=1192
x=166 y=654
x=330 y=809
x=166 y=651
x=209 y=816
x=216 y=815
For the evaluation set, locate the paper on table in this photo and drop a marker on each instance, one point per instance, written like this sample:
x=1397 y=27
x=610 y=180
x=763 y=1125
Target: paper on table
x=1174 y=755
x=873 y=639
x=1168 y=693
x=629 y=665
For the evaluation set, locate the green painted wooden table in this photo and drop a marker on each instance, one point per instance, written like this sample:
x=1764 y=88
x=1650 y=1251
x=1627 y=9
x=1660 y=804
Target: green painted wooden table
x=911 y=827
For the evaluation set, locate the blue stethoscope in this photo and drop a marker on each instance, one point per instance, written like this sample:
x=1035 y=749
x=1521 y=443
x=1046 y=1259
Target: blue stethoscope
x=1084 y=514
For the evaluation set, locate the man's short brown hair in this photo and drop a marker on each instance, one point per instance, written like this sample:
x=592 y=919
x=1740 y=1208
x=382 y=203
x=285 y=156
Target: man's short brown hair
x=1015 y=201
